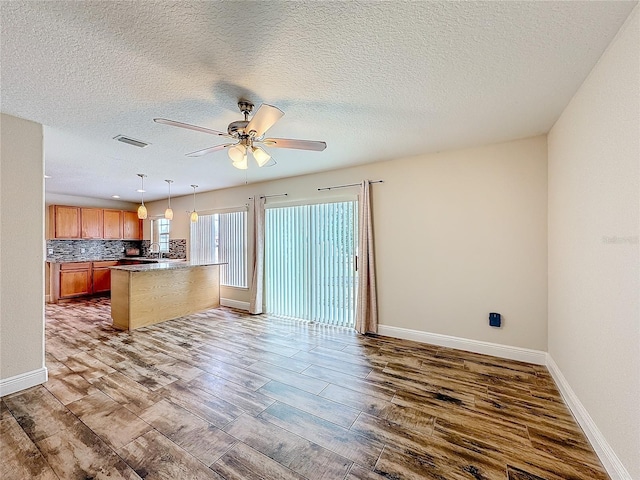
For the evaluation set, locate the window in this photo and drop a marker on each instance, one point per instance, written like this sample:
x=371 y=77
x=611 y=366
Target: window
x=160 y=233
x=310 y=262
x=222 y=238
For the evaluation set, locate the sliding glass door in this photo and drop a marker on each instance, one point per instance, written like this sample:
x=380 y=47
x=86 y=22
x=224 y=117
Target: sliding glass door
x=310 y=255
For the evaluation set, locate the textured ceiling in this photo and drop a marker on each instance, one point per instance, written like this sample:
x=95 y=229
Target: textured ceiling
x=375 y=80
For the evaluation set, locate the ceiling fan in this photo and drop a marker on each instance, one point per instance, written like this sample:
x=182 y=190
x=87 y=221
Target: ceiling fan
x=249 y=135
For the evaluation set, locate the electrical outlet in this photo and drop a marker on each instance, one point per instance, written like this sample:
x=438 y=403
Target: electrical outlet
x=50 y=251
x=82 y=250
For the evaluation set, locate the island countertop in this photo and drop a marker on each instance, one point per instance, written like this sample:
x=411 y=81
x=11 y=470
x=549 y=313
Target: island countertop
x=175 y=265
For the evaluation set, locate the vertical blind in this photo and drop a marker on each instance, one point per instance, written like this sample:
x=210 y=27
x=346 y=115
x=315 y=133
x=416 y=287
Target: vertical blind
x=222 y=238
x=310 y=262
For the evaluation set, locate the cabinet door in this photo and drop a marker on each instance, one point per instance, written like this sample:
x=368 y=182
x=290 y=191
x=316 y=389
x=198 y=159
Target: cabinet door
x=132 y=226
x=101 y=280
x=66 y=222
x=112 y=227
x=75 y=282
x=91 y=221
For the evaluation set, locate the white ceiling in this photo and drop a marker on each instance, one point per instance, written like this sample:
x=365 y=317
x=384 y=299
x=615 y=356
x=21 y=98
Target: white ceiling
x=375 y=80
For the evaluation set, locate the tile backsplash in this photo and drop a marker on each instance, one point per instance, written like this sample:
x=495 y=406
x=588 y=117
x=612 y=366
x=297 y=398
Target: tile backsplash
x=72 y=250
x=177 y=249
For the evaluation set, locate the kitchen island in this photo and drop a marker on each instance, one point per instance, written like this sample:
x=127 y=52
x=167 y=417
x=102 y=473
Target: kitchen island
x=145 y=294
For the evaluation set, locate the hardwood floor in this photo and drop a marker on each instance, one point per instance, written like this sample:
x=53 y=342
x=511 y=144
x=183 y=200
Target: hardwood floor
x=225 y=395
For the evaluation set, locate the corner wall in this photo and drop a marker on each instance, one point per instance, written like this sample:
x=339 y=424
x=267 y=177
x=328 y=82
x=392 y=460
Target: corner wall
x=594 y=253
x=458 y=234
x=21 y=274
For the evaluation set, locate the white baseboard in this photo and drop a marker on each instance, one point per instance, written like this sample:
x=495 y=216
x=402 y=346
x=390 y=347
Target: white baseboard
x=536 y=357
x=228 y=302
x=608 y=457
x=23 y=381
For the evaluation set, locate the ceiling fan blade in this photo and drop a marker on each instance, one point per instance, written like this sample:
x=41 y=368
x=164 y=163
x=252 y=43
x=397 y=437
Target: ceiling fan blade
x=298 y=144
x=204 y=151
x=188 y=126
x=263 y=119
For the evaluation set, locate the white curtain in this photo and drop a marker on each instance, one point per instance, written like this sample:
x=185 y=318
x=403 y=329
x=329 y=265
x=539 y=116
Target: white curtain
x=367 y=307
x=256 y=290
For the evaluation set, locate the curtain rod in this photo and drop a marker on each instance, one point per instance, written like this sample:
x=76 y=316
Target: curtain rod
x=350 y=185
x=271 y=196
x=214 y=210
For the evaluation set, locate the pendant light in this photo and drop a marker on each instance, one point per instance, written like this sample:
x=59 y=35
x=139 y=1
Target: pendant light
x=168 y=213
x=194 y=214
x=142 y=210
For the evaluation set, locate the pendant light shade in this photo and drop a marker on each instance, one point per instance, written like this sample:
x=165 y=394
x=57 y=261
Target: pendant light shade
x=194 y=214
x=168 y=213
x=142 y=210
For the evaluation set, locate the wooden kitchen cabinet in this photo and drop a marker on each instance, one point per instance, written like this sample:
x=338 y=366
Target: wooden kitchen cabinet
x=64 y=222
x=132 y=226
x=67 y=222
x=75 y=279
x=91 y=222
x=112 y=224
x=102 y=276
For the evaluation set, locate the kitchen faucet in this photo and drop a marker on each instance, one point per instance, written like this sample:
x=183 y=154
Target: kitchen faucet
x=159 y=252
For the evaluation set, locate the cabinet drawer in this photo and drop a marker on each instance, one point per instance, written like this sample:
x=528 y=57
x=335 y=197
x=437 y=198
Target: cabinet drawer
x=105 y=263
x=75 y=266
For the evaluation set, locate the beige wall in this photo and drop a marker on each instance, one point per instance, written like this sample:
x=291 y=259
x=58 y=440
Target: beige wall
x=594 y=258
x=458 y=235
x=22 y=247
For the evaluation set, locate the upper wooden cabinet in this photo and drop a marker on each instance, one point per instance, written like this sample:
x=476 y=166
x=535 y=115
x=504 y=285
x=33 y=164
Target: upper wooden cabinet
x=112 y=229
x=91 y=222
x=64 y=222
x=132 y=229
x=67 y=222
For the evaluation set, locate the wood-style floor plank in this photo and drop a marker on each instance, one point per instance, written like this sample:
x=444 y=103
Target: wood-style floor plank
x=226 y=395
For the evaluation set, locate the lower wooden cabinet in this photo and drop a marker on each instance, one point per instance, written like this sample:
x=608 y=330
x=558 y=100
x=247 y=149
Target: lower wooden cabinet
x=75 y=279
x=102 y=276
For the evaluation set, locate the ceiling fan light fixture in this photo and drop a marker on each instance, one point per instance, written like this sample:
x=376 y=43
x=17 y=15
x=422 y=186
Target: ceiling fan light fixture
x=260 y=155
x=237 y=153
x=242 y=164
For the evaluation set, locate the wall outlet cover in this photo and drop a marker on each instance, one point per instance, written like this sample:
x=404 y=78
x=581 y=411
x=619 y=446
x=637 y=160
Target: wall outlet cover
x=495 y=319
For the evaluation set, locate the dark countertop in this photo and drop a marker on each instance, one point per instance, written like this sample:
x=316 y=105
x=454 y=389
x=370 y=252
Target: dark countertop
x=171 y=265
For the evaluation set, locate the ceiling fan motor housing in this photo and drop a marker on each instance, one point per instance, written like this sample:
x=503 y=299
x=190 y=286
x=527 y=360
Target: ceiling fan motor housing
x=237 y=128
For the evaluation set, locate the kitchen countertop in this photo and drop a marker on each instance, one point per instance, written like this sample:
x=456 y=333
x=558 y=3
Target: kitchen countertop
x=148 y=267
